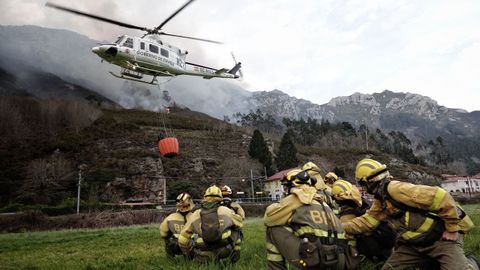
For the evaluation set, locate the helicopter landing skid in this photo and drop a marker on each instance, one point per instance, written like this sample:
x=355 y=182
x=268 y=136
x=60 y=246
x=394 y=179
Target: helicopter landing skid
x=135 y=79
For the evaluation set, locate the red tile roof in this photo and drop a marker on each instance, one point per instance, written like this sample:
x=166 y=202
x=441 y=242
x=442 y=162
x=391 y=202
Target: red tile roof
x=279 y=175
x=452 y=178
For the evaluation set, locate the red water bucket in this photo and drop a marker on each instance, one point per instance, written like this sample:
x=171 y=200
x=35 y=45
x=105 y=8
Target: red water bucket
x=168 y=147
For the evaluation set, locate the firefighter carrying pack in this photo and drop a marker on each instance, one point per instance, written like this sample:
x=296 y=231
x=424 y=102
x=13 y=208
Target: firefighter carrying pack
x=465 y=224
x=323 y=240
x=210 y=226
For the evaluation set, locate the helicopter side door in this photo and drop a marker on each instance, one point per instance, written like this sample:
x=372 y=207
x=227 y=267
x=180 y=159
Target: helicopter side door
x=148 y=54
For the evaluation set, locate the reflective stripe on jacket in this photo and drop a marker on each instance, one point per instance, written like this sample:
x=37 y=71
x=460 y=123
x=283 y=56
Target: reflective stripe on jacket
x=411 y=225
x=173 y=224
x=301 y=211
x=227 y=220
x=318 y=220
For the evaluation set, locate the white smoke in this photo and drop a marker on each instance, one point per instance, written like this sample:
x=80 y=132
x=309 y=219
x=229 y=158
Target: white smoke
x=69 y=56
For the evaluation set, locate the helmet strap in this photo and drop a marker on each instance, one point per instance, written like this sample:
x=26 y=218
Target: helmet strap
x=382 y=189
x=372 y=187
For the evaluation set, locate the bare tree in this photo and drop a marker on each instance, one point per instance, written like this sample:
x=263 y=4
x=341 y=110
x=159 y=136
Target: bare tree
x=51 y=116
x=12 y=125
x=47 y=179
x=81 y=114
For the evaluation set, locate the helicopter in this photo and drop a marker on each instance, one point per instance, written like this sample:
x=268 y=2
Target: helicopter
x=149 y=55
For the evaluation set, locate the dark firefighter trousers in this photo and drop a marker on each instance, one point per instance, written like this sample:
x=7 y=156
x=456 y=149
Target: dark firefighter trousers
x=449 y=255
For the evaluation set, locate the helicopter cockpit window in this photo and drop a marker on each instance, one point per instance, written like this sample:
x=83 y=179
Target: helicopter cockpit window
x=142 y=46
x=128 y=43
x=164 y=52
x=153 y=48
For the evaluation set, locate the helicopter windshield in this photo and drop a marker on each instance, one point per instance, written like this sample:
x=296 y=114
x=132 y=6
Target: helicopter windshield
x=128 y=43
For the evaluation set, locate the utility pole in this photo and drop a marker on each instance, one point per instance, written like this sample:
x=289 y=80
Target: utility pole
x=80 y=168
x=264 y=180
x=251 y=184
x=366 y=133
x=469 y=186
x=164 y=190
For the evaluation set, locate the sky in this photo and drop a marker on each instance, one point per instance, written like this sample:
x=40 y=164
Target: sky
x=311 y=49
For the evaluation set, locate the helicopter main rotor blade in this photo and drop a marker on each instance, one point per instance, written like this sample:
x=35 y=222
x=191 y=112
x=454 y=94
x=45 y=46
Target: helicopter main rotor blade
x=173 y=15
x=194 y=38
x=48 y=4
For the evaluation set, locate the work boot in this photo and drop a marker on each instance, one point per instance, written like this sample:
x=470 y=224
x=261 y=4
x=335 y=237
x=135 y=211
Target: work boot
x=235 y=256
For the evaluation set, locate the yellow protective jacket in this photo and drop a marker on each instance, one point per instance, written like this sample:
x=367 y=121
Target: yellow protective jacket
x=173 y=224
x=305 y=212
x=409 y=224
x=236 y=207
x=227 y=219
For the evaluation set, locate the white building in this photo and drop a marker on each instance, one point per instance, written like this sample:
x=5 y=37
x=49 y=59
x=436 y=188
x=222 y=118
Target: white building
x=273 y=185
x=461 y=184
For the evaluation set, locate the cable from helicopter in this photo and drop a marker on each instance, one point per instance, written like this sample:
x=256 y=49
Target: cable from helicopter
x=168 y=145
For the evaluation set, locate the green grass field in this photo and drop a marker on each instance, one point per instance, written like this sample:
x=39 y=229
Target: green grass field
x=138 y=247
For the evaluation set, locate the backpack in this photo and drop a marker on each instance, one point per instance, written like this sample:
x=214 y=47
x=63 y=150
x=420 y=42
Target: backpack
x=210 y=226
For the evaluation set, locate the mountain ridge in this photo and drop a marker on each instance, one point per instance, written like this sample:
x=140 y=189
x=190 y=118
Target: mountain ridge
x=68 y=56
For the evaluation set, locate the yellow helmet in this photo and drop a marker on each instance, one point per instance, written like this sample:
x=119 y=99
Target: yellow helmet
x=331 y=177
x=184 y=202
x=314 y=171
x=345 y=191
x=369 y=170
x=310 y=166
x=297 y=177
x=226 y=191
x=213 y=191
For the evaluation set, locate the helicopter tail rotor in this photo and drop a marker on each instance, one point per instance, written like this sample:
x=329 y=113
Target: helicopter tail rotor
x=237 y=67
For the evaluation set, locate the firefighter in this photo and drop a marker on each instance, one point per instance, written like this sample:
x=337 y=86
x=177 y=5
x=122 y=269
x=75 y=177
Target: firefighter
x=302 y=229
x=216 y=230
x=228 y=202
x=172 y=225
x=324 y=190
x=330 y=178
x=426 y=219
x=377 y=245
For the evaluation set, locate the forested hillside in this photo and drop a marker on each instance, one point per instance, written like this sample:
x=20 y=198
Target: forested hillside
x=44 y=143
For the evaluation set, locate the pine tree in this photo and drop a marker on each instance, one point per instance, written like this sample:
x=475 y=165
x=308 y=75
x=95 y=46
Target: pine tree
x=258 y=149
x=257 y=144
x=287 y=153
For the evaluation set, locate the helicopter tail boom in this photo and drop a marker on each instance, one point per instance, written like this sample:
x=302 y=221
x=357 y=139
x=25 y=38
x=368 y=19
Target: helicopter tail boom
x=235 y=69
